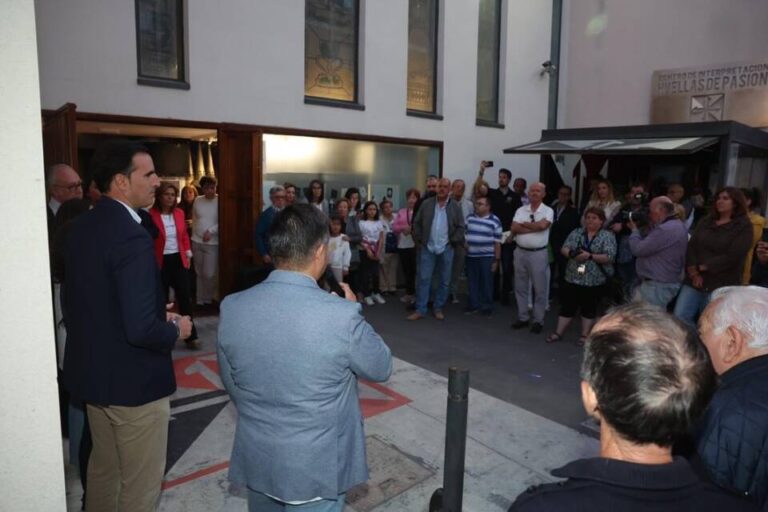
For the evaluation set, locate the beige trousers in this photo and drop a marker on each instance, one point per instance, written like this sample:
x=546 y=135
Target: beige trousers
x=388 y=272
x=127 y=463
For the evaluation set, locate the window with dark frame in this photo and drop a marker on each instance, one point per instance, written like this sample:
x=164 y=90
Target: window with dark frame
x=160 y=43
x=331 y=51
x=488 y=51
x=422 y=55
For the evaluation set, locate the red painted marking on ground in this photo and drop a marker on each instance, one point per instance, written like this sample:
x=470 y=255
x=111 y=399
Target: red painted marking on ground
x=187 y=376
x=370 y=407
x=373 y=406
x=168 y=484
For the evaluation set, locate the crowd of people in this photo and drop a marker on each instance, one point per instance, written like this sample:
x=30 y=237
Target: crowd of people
x=667 y=249
x=300 y=443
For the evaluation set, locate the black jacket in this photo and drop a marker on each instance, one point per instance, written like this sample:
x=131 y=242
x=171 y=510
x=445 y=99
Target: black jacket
x=732 y=438
x=119 y=344
x=504 y=206
x=597 y=485
x=563 y=224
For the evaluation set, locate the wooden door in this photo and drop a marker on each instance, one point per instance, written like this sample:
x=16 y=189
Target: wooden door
x=60 y=137
x=240 y=200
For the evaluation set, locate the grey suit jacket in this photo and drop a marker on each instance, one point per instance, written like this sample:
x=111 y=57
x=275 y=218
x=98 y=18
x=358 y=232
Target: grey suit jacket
x=289 y=356
x=422 y=224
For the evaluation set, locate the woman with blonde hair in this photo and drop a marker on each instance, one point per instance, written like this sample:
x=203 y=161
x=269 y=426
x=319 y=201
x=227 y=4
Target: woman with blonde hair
x=602 y=197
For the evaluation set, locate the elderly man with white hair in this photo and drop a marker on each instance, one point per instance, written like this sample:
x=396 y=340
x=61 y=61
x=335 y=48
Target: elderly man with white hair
x=732 y=438
x=530 y=226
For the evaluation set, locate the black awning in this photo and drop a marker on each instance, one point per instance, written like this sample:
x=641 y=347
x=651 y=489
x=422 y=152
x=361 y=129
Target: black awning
x=645 y=146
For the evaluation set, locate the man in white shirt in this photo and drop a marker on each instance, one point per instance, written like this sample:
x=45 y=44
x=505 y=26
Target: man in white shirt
x=531 y=229
x=205 y=241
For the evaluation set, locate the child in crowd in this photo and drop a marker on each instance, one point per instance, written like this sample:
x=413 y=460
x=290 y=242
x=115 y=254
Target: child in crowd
x=389 y=257
x=371 y=249
x=339 y=253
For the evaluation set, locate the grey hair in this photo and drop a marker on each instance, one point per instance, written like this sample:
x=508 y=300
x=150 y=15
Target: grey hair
x=277 y=188
x=745 y=308
x=51 y=176
x=651 y=375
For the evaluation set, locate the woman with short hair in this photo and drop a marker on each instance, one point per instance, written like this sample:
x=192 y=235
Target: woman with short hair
x=590 y=251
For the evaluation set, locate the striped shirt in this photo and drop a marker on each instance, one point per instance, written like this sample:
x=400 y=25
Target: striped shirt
x=482 y=234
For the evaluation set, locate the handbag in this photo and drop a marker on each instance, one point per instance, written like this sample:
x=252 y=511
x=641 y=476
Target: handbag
x=390 y=243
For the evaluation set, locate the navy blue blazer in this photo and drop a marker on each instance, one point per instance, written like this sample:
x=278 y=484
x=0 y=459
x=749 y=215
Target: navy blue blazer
x=119 y=343
x=262 y=230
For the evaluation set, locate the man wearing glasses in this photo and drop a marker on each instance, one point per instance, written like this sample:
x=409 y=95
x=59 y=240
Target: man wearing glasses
x=63 y=184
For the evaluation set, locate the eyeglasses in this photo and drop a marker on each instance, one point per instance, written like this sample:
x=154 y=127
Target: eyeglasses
x=72 y=187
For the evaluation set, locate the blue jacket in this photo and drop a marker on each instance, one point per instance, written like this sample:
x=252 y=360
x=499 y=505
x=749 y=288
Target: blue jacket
x=262 y=230
x=290 y=355
x=732 y=438
x=119 y=344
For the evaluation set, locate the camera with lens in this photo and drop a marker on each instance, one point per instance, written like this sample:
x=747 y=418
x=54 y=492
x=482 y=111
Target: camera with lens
x=639 y=213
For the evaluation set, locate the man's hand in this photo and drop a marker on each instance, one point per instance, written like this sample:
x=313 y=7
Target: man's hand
x=617 y=227
x=762 y=252
x=266 y=259
x=183 y=322
x=348 y=293
x=697 y=281
x=206 y=236
x=494 y=266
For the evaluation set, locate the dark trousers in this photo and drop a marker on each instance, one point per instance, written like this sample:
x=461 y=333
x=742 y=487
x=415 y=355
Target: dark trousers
x=176 y=276
x=369 y=275
x=505 y=274
x=480 y=281
x=408 y=262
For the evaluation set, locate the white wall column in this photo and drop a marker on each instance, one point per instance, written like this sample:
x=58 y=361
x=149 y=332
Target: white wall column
x=32 y=472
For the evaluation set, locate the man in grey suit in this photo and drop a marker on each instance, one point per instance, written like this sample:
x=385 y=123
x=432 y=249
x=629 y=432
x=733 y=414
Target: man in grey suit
x=290 y=355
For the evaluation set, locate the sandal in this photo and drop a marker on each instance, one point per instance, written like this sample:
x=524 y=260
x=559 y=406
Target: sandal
x=553 y=338
x=580 y=342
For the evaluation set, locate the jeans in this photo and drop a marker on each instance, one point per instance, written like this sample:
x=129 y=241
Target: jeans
x=480 y=281
x=690 y=303
x=258 y=502
x=428 y=263
x=656 y=293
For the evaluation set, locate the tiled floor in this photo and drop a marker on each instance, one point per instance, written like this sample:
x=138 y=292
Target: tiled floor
x=508 y=448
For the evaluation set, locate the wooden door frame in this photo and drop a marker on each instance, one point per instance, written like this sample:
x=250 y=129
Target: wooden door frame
x=245 y=251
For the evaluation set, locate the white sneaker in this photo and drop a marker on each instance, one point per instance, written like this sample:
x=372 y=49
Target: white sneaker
x=369 y=301
x=378 y=298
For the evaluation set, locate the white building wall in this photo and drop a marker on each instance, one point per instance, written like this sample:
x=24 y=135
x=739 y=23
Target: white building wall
x=610 y=49
x=32 y=470
x=246 y=65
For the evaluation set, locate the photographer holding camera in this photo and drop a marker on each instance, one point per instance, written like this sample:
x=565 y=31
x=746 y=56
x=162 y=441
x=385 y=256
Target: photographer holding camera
x=619 y=225
x=660 y=253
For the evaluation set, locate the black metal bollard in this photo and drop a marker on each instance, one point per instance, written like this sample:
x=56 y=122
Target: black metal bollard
x=449 y=498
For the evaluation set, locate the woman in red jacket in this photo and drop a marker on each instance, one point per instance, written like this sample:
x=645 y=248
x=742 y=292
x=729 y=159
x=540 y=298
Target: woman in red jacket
x=173 y=251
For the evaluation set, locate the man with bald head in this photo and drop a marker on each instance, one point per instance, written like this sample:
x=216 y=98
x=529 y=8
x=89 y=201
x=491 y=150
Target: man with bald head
x=660 y=254
x=438 y=228
x=732 y=436
x=530 y=226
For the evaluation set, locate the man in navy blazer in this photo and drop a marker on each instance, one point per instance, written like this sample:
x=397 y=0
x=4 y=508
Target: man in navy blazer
x=277 y=198
x=119 y=337
x=290 y=355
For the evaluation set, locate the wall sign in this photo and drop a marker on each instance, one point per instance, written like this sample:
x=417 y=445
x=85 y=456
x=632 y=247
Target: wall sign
x=735 y=92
